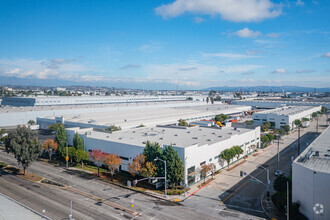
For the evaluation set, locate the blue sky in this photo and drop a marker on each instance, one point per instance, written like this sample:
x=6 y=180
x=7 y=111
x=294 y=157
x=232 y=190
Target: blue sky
x=190 y=44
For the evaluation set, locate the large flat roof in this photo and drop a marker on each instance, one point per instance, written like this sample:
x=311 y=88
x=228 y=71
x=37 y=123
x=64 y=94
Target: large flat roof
x=288 y=110
x=152 y=116
x=317 y=161
x=177 y=136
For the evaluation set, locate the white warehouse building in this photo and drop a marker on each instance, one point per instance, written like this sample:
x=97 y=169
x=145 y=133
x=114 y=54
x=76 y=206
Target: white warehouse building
x=311 y=178
x=83 y=100
x=285 y=115
x=195 y=145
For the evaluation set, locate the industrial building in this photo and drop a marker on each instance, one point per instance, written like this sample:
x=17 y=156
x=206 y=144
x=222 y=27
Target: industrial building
x=311 y=178
x=285 y=115
x=13 y=116
x=83 y=100
x=195 y=145
x=148 y=115
x=280 y=103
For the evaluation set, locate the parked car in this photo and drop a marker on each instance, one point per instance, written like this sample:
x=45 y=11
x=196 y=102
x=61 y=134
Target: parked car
x=278 y=172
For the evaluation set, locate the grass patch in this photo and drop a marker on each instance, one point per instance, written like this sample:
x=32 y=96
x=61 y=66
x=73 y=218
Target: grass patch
x=2 y=164
x=20 y=173
x=52 y=182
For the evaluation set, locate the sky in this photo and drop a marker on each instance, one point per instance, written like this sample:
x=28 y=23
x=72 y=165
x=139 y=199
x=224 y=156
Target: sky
x=172 y=44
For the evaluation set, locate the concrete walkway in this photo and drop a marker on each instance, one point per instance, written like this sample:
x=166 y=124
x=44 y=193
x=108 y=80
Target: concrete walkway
x=11 y=209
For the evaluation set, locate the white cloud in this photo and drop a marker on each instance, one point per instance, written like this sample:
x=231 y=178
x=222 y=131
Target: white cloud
x=150 y=48
x=327 y=55
x=253 y=52
x=305 y=71
x=227 y=55
x=274 y=35
x=247 y=33
x=198 y=20
x=300 y=3
x=231 y=10
x=315 y=3
x=280 y=71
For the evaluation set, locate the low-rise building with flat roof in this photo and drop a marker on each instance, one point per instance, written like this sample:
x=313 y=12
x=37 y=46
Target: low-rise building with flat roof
x=280 y=117
x=195 y=145
x=311 y=178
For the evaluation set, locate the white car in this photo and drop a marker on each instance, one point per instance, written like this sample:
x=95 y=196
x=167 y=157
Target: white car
x=278 y=172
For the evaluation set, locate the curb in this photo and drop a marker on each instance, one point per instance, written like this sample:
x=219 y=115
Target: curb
x=32 y=210
x=145 y=193
x=263 y=209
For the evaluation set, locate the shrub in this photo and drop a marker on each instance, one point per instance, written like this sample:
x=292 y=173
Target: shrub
x=2 y=164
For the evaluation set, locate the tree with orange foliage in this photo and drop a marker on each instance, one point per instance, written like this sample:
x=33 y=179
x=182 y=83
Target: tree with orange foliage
x=205 y=169
x=135 y=167
x=112 y=161
x=149 y=170
x=97 y=156
x=50 y=146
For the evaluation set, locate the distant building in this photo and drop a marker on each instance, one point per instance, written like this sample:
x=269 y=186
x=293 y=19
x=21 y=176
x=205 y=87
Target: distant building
x=311 y=178
x=280 y=117
x=82 y=100
x=195 y=145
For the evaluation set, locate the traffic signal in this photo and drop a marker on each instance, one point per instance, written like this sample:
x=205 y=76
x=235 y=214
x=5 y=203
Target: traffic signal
x=241 y=173
x=268 y=194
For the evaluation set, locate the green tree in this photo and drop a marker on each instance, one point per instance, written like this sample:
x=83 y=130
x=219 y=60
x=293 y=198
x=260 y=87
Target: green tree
x=280 y=183
x=71 y=152
x=264 y=139
x=152 y=151
x=314 y=114
x=183 y=122
x=286 y=128
x=80 y=155
x=304 y=119
x=221 y=117
x=270 y=136
x=31 y=122
x=228 y=155
x=78 y=142
x=282 y=131
x=265 y=126
x=297 y=122
x=54 y=127
x=60 y=136
x=238 y=151
x=249 y=122
x=174 y=166
x=324 y=110
x=24 y=144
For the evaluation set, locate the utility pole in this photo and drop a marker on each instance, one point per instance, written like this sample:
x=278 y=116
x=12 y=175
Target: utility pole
x=278 y=152
x=287 y=201
x=70 y=216
x=67 y=156
x=298 y=139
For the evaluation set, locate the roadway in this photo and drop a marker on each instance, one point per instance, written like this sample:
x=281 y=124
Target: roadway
x=230 y=192
x=56 y=200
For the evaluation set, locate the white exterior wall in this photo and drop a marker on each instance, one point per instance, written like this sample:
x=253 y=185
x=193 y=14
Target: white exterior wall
x=281 y=120
x=196 y=154
x=311 y=188
x=190 y=156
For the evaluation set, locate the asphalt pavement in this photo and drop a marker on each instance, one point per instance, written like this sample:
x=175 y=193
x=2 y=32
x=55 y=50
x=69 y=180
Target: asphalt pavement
x=232 y=193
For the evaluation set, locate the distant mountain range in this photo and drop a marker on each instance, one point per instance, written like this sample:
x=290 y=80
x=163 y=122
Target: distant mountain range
x=268 y=89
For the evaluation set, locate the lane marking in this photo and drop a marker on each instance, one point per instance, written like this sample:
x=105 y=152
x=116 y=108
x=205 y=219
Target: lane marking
x=234 y=192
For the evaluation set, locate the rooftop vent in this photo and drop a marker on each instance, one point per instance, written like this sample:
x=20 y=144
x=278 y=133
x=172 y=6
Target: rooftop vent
x=220 y=136
x=175 y=135
x=161 y=138
x=209 y=139
x=195 y=137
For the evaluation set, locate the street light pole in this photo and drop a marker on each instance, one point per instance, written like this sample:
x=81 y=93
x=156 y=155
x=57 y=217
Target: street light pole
x=67 y=155
x=185 y=177
x=268 y=181
x=287 y=201
x=298 y=140
x=278 y=152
